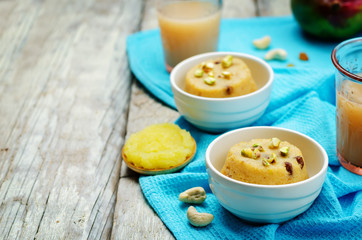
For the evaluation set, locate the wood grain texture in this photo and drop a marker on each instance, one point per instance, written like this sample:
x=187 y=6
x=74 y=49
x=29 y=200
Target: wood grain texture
x=64 y=95
x=133 y=218
x=239 y=9
x=273 y=8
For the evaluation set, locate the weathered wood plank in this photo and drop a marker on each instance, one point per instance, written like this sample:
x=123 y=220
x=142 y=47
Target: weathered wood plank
x=239 y=9
x=64 y=93
x=134 y=219
x=273 y=8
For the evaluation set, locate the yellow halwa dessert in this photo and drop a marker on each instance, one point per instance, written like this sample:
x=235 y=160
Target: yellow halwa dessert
x=159 y=146
x=265 y=161
x=219 y=78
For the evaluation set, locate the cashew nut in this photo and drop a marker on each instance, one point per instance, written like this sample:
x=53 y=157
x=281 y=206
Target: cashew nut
x=193 y=195
x=276 y=54
x=198 y=219
x=262 y=43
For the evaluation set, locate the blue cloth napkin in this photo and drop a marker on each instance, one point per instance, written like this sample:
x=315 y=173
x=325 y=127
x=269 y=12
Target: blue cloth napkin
x=303 y=99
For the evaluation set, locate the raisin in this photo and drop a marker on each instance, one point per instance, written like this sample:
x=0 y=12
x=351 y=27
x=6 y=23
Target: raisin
x=303 y=56
x=289 y=168
x=229 y=90
x=217 y=62
x=300 y=161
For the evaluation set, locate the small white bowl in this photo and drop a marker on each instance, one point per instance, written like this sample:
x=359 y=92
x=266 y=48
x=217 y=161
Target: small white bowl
x=221 y=114
x=266 y=203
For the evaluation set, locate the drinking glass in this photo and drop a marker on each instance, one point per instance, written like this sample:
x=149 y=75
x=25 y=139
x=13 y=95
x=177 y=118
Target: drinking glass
x=188 y=28
x=347 y=58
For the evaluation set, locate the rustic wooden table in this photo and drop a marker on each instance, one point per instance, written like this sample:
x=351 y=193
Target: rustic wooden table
x=68 y=101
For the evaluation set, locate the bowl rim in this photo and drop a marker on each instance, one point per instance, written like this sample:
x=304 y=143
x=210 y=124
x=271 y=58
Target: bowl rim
x=211 y=54
x=263 y=186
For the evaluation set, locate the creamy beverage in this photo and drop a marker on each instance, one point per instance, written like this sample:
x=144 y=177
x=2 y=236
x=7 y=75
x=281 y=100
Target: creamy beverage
x=349 y=123
x=346 y=57
x=188 y=28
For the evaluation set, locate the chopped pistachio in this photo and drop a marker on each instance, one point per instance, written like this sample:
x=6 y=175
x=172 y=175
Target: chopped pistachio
x=198 y=73
x=284 y=151
x=273 y=158
x=227 y=61
x=265 y=162
x=247 y=152
x=208 y=67
x=226 y=75
x=211 y=74
x=274 y=143
x=258 y=146
x=256 y=153
x=209 y=80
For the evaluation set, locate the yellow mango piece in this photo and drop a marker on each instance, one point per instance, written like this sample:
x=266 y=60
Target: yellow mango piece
x=159 y=146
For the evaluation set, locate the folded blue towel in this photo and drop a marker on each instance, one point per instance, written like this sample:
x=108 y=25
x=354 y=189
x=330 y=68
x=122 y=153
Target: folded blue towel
x=303 y=99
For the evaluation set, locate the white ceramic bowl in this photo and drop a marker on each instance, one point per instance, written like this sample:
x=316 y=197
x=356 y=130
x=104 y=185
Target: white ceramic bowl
x=266 y=203
x=221 y=114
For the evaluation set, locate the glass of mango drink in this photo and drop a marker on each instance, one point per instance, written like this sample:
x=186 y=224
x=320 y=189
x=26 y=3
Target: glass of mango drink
x=347 y=58
x=188 y=28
